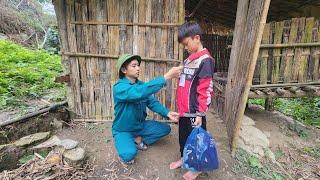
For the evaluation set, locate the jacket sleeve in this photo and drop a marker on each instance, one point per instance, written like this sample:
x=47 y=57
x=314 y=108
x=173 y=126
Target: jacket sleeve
x=131 y=93
x=205 y=86
x=156 y=106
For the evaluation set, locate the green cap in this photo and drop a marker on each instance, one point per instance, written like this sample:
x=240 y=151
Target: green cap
x=126 y=57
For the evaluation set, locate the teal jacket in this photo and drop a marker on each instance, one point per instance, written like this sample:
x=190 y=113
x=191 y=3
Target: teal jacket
x=131 y=101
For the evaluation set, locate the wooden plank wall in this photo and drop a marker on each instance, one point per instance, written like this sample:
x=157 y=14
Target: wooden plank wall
x=86 y=32
x=289 y=64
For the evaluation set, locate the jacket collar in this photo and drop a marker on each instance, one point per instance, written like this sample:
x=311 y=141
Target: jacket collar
x=198 y=54
x=127 y=81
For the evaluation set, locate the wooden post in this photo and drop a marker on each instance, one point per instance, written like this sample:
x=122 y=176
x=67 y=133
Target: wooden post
x=244 y=53
x=59 y=7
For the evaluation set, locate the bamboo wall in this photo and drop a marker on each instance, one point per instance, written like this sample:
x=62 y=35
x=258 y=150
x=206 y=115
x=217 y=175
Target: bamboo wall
x=287 y=65
x=94 y=33
x=298 y=64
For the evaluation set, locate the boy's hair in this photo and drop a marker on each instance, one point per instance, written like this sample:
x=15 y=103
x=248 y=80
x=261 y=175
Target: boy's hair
x=189 y=29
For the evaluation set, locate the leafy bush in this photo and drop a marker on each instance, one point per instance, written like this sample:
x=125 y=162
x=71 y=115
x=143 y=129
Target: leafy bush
x=25 y=73
x=305 y=110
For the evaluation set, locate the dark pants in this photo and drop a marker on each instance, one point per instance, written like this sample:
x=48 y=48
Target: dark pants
x=185 y=128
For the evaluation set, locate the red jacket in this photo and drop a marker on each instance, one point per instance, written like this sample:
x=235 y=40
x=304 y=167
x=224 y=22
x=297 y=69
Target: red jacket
x=195 y=88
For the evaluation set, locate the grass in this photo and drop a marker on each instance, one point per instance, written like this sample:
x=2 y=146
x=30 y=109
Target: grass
x=305 y=110
x=26 y=73
x=312 y=151
x=252 y=166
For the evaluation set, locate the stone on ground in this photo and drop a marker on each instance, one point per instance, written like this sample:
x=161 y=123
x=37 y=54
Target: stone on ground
x=74 y=157
x=247 y=121
x=53 y=141
x=253 y=140
x=253 y=136
x=68 y=144
x=32 y=139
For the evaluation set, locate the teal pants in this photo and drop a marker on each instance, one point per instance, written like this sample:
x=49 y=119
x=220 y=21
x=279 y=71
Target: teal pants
x=124 y=141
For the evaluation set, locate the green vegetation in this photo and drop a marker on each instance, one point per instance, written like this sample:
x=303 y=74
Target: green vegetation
x=26 y=73
x=27 y=157
x=251 y=165
x=305 y=110
x=312 y=151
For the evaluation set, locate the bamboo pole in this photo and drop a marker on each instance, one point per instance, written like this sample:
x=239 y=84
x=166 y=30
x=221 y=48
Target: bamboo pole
x=126 y=24
x=312 y=44
x=116 y=57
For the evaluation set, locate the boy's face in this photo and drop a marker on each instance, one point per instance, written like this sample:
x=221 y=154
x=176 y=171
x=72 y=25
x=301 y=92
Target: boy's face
x=132 y=70
x=191 y=44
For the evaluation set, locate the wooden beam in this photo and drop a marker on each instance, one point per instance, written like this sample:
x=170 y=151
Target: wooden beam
x=164 y=60
x=242 y=62
x=284 y=94
x=241 y=20
x=313 y=44
x=285 y=85
x=125 y=23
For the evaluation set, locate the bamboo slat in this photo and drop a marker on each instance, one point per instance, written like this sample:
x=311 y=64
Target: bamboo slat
x=314 y=68
x=142 y=31
x=113 y=45
x=298 y=51
x=284 y=67
x=303 y=68
x=276 y=52
x=264 y=56
x=157 y=17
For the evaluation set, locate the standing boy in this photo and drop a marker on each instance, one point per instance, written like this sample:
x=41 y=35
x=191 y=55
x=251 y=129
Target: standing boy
x=194 y=89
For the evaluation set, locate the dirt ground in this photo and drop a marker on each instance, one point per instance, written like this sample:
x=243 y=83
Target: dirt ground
x=150 y=164
x=297 y=150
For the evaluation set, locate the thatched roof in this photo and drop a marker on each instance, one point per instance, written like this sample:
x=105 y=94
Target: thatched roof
x=223 y=12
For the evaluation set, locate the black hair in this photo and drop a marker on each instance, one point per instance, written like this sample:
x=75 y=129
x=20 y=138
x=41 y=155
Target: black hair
x=189 y=29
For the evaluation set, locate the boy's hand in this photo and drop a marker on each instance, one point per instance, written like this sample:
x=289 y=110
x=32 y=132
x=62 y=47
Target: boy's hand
x=174 y=72
x=198 y=121
x=173 y=116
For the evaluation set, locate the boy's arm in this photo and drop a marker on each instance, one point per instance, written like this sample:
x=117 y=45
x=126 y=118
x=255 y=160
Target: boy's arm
x=205 y=87
x=156 y=106
x=125 y=93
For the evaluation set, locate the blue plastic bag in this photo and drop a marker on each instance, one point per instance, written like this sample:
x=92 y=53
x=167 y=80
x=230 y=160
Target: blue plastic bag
x=199 y=153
